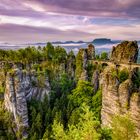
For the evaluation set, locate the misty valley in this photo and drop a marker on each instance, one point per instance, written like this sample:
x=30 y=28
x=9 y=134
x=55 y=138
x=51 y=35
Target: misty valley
x=49 y=93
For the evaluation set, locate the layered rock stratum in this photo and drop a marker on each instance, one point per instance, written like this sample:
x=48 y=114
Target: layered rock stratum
x=21 y=87
x=121 y=97
x=125 y=52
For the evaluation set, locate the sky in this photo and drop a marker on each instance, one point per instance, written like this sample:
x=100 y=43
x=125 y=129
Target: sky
x=26 y=21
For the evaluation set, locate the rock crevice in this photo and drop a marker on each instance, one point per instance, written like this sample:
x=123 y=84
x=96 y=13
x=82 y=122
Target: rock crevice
x=19 y=89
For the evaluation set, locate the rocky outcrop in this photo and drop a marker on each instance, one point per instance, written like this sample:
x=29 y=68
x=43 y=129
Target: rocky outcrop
x=20 y=87
x=84 y=75
x=119 y=98
x=70 y=66
x=125 y=52
x=2 y=85
x=91 y=52
x=95 y=81
x=83 y=56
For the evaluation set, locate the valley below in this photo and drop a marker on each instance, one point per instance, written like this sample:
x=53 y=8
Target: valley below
x=82 y=92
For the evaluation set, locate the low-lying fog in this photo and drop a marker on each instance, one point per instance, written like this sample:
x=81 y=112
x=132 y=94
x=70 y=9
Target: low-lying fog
x=68 y=46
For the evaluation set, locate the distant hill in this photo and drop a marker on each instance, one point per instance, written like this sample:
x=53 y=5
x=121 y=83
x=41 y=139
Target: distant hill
x=67 y=42
x=104 y=41
x=59 y=42
x=98 y=41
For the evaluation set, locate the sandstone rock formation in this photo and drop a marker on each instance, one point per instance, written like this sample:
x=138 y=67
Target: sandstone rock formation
x=125 y=52
x=95 y=81
x=70 y=66
x=119 y=98
x=83 y=56
x=87 y=54
x=84 y=75
x=91 y=52
x=19 y=89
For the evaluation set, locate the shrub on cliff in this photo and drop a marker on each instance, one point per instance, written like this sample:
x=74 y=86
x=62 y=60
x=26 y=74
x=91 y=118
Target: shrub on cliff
x=123 y=75
x=104 y=56
x=136 y=78
x=79 y=64
x=97 y=104
x=90 y=70
x=123 y=128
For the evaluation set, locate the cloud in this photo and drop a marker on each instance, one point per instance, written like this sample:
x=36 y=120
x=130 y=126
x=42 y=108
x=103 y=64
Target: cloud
x=104 y=8
x=22 y=34
x=41 y=20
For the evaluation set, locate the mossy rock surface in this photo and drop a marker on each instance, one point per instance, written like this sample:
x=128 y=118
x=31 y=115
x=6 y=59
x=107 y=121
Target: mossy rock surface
x=125 y=52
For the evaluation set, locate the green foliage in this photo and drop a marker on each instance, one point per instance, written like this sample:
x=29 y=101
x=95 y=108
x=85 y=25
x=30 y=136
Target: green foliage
x=97 y=104
x=114 y=74
x=123 y=128
x=65 y=83
x=6 y=124
x=62 y=85
x=60 y=55
x=104 y=56
x=58 y=131
x=71 y=54
x=71 y=63
x=79 y=64
x=97 y=57
x=36 y=116
x=90 y=69
x=74 y=115
x=34 y=137
x=73 y=110
x=82 y=93
x=106 y=133
x=32 y=55
x=1 y=89
x=49 y=51
x=86 y=128
x=136 y=79
x=123 y=75
x=41 y=80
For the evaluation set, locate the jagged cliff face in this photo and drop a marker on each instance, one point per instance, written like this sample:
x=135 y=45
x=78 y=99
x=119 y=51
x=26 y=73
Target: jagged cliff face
x=20 y=87
x=86 y=54
x=95 y=81
x=120 y=97
x=70 y=66
x=84 y=75
x=125 y=52
x=91 y=51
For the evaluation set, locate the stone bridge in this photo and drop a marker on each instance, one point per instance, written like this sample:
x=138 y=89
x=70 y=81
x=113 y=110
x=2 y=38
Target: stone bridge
x=117 y=64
